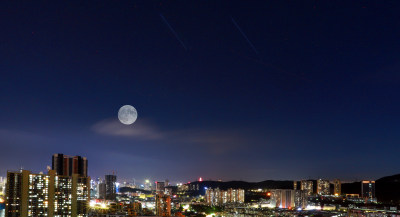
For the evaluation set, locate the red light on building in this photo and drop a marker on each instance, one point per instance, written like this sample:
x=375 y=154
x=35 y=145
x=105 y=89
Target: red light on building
x=200 y=179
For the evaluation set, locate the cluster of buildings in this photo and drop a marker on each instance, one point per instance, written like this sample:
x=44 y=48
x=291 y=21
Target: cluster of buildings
x=67 y=190
x=325 y=187
x=108 y=201
x=303 y=190
x=320 y=186
x=106 y=189
x=63 y=191
x=217 y=197
x=115 y=209
x=288 y=198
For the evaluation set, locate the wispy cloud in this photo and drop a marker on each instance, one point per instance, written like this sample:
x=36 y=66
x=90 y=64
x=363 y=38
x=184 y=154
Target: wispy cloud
x=140 y=130
x=218 y=141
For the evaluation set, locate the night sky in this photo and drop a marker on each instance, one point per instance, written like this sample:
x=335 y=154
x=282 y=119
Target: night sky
x=231 y=90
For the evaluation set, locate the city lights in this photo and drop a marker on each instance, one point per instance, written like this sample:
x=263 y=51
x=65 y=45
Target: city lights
x=199 y=108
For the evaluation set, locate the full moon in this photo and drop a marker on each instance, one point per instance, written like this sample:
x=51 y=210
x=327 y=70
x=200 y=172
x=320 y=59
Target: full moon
x=127 y=114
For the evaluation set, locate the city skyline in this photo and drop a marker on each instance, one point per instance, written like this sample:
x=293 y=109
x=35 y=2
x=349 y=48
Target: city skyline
x=223 y=90
x=67 y=190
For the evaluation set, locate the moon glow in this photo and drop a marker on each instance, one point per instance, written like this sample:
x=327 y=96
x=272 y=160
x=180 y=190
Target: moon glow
x=127 y=114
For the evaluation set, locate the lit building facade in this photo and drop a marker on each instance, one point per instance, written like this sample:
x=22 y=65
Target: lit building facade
x=307 y=186
x=111 y=187
x=283 y=198
x=287 y=198
x=46 y=195
x=323 y=187
x=368 y=189
x=3 y=181
x=217 y=197
x=163 y=204
x=300 y=199
x=235 y=195
x=337 y=187
x=213 y=197
x=183 y=187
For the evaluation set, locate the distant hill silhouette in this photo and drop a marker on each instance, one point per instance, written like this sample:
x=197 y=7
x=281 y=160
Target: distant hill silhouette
x=394 y=178
x=128 y=189
x=388 y=189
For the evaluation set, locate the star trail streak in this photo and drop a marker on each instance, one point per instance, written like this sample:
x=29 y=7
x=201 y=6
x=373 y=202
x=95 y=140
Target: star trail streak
x=173 y=31
x=244 y=35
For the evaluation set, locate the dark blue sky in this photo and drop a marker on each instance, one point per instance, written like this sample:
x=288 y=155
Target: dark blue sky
x=317 y=95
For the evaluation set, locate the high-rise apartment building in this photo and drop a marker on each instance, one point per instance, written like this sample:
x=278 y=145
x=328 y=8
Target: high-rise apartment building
x=111 y=187
x=235 y=195
x=368 y=189
x=64 y=191
x=50 y=195
x=163 y=204
x=219 y=197
x=65 y=165
x=300 y=199
x=307 y=186
x=101 y=190
x=323 y=187
x=215 y=197
x=286 y=198
x=337 y=187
